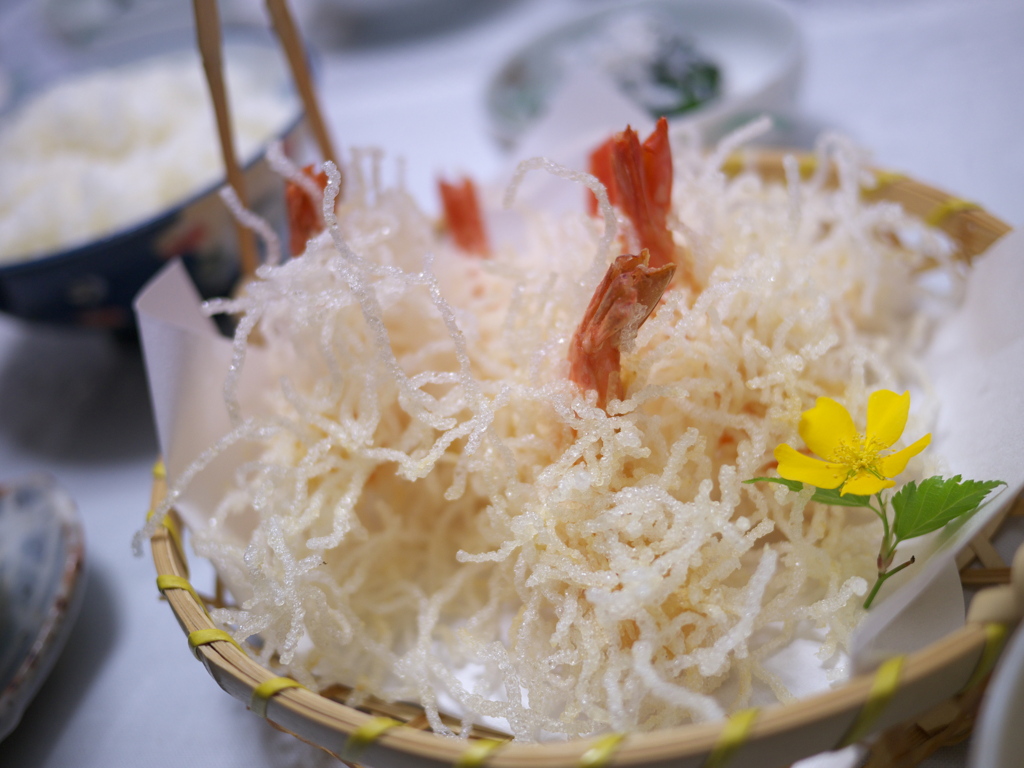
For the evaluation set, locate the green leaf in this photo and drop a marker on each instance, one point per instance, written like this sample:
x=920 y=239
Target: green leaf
x=921 y=509
x=793 y=485
x=832 y=496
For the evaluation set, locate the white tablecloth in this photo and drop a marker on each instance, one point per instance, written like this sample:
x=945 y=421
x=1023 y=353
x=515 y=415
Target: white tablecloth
x=931 y=86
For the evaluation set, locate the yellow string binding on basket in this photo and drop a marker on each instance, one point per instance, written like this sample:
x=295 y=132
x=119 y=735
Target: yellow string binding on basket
x=160 y=473
x=366 y=734
x=265 y=691
x=601 y=751
x=995 y=636
x=733 y=164
x=947 y=208
x=734 y=735
x=807 y=164
x=167 y=581
x=885 y=179
x=172 y=529
x=883 y=687
x=206 y=636
x=476 y=754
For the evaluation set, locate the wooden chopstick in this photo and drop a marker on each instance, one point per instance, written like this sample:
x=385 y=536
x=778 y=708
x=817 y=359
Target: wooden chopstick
x=295 y=51
x=208 y=36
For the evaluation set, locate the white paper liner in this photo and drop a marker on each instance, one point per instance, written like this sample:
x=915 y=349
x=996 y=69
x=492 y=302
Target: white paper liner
x=976 y=363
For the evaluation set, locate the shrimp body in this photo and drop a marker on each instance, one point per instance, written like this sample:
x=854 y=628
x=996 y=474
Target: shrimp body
x=626 y=296
x=463 y=216
x=304 y=219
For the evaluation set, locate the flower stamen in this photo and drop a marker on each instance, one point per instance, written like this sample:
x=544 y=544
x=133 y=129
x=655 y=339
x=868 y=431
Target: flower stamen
x=859 y=455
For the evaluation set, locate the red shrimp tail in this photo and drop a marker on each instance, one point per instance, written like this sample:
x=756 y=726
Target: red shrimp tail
x=657 y=163
x=463 y=216
x=626 y=296
x=304 y=217
x=643 y=180
x=638 y=178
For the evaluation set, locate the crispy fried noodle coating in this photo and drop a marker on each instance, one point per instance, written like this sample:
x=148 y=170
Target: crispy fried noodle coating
x=436 y=511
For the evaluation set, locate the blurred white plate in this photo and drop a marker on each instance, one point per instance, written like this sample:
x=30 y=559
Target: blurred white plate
x=42 y=554
x=998 y=740
x=755 y=44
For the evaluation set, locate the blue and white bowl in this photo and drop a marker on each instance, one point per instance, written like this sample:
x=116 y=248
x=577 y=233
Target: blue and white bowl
x=93 y=283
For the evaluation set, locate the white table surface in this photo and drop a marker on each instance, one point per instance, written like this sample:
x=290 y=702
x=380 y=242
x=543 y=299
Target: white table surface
x=931 y=86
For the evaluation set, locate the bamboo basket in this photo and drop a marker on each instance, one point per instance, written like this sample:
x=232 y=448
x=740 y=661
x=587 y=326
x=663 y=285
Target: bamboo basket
x=937 y=684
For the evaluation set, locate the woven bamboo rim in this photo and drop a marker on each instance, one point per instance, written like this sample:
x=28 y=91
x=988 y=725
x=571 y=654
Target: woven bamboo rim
x=397 y=736
x=971 y=228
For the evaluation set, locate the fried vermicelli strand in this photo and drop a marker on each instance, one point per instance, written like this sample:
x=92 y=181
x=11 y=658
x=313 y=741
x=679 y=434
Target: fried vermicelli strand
x=433 y=511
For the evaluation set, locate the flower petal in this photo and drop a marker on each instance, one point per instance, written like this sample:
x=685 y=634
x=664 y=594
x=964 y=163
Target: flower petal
x=865 y=484
x=825 y=426
x=794 y=465
x=887 y=416
x=892 y=465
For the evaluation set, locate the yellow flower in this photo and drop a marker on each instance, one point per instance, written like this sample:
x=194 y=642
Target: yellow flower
x=859 y=463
